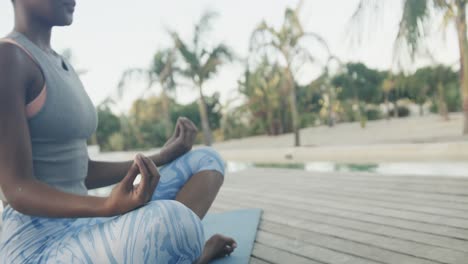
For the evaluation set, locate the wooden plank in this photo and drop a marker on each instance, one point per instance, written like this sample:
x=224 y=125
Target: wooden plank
x=294 y=176
x=438 y=190
x=429 y=252
x=307 y=250
x=315 y=194
x=444 y=231
x=267 y=184
x=442 y=202
x=367 y=195
x=349 y=247
x=363 y=212
x=439 y=241
x=414 y=216
x=254 y=260
x=411 y=231
x=279 y=256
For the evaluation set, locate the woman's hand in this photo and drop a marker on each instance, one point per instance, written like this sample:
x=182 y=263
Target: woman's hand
x=126 y=196
x=182 y=140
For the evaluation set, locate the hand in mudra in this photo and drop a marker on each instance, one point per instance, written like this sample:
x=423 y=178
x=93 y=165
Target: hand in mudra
x=125 y=196
x=182 y=140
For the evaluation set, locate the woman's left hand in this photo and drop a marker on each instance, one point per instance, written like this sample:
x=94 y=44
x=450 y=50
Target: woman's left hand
x=182 y=140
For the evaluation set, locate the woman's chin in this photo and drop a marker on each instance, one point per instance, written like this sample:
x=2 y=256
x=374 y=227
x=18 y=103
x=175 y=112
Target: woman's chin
x=67 y=20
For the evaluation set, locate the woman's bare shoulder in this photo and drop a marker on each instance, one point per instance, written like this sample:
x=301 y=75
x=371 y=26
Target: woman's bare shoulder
x=16 y=68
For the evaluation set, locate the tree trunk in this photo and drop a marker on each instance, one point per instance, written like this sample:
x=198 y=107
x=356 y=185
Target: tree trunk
x=387 y=106
x=269 y=114
x=294 y=112
x=295 y=117
x=358 y=112
x=395 y=109
x=167 y=115
x=331 y=112
x=292 y=99
x=443 y=111
x=331 y=116
x=421 y=109
x=204 y=118
x=271 y=125
x=463 y=46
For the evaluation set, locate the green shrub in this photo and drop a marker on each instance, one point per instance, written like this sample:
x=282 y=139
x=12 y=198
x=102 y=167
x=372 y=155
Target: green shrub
x=373 y=114
x=116 y=142
x=403 y=111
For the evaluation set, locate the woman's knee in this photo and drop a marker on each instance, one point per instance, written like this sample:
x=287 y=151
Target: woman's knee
x=207 y=158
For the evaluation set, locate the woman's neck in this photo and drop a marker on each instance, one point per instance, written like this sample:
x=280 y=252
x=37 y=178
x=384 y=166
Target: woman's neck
x=39 y=33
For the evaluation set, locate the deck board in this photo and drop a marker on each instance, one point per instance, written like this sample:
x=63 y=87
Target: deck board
x=373 y=228
x=275 y=255
x=311 y=202
x=352 y=218
x=255 y=260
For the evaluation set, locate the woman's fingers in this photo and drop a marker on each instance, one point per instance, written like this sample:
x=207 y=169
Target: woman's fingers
x=229 y=241
x=154 y=174
x=177 y=129
x=184 y=121
x=145 y=178
x=182 y=129
x=191 y=125
x=131 y=175
x=190 y=129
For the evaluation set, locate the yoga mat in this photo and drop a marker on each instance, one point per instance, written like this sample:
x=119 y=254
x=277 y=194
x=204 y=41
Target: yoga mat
x=241 y=225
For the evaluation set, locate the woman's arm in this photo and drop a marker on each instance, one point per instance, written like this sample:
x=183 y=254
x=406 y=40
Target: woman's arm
x=22 y=191
x=101 y=173
x=104 y=173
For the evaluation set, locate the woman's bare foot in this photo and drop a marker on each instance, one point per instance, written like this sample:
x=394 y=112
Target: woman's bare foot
x=218 y=246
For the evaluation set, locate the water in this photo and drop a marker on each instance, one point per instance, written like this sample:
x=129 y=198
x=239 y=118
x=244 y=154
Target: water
x=443 y=169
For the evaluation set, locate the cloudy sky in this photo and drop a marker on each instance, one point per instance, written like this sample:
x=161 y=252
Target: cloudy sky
x=109 y=36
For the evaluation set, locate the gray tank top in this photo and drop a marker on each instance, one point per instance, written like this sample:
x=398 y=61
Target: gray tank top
x=61 y=127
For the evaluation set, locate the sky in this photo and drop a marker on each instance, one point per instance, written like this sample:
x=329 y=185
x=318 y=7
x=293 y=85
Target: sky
x=110 y=36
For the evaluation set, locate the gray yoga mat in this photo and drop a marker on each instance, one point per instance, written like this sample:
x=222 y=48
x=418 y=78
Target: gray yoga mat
x=241 y=225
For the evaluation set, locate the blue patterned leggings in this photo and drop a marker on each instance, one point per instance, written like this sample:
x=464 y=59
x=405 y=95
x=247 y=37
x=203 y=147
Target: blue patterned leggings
x=163 y=231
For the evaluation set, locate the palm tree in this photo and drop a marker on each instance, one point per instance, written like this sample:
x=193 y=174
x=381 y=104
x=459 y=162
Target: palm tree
x=287 y=41
x=161 y=71
x=324 y=84
x=262 y=88
x=388 y=86
x=201 y=64
x=416 y=15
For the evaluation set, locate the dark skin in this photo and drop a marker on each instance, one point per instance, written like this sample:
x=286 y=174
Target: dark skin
x=21 y=81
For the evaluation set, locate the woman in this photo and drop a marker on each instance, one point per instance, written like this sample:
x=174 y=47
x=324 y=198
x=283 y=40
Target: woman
x=46 y=117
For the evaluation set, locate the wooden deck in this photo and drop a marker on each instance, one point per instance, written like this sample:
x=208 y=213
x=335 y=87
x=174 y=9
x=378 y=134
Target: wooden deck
x=352 y=218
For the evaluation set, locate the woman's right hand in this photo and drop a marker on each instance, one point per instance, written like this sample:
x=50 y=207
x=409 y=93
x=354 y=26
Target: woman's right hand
x=125 y=196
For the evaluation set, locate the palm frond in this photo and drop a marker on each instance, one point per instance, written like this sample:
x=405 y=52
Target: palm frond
x=320 y=40
x=413 y=25
x=164 y=67
x=448 y=17
x=216 y=57
x=364 y=16
x=189 y=56
x=262 y=28
x=203 y=27
x=411 y=29
x=131 y=74
x=292 y=26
